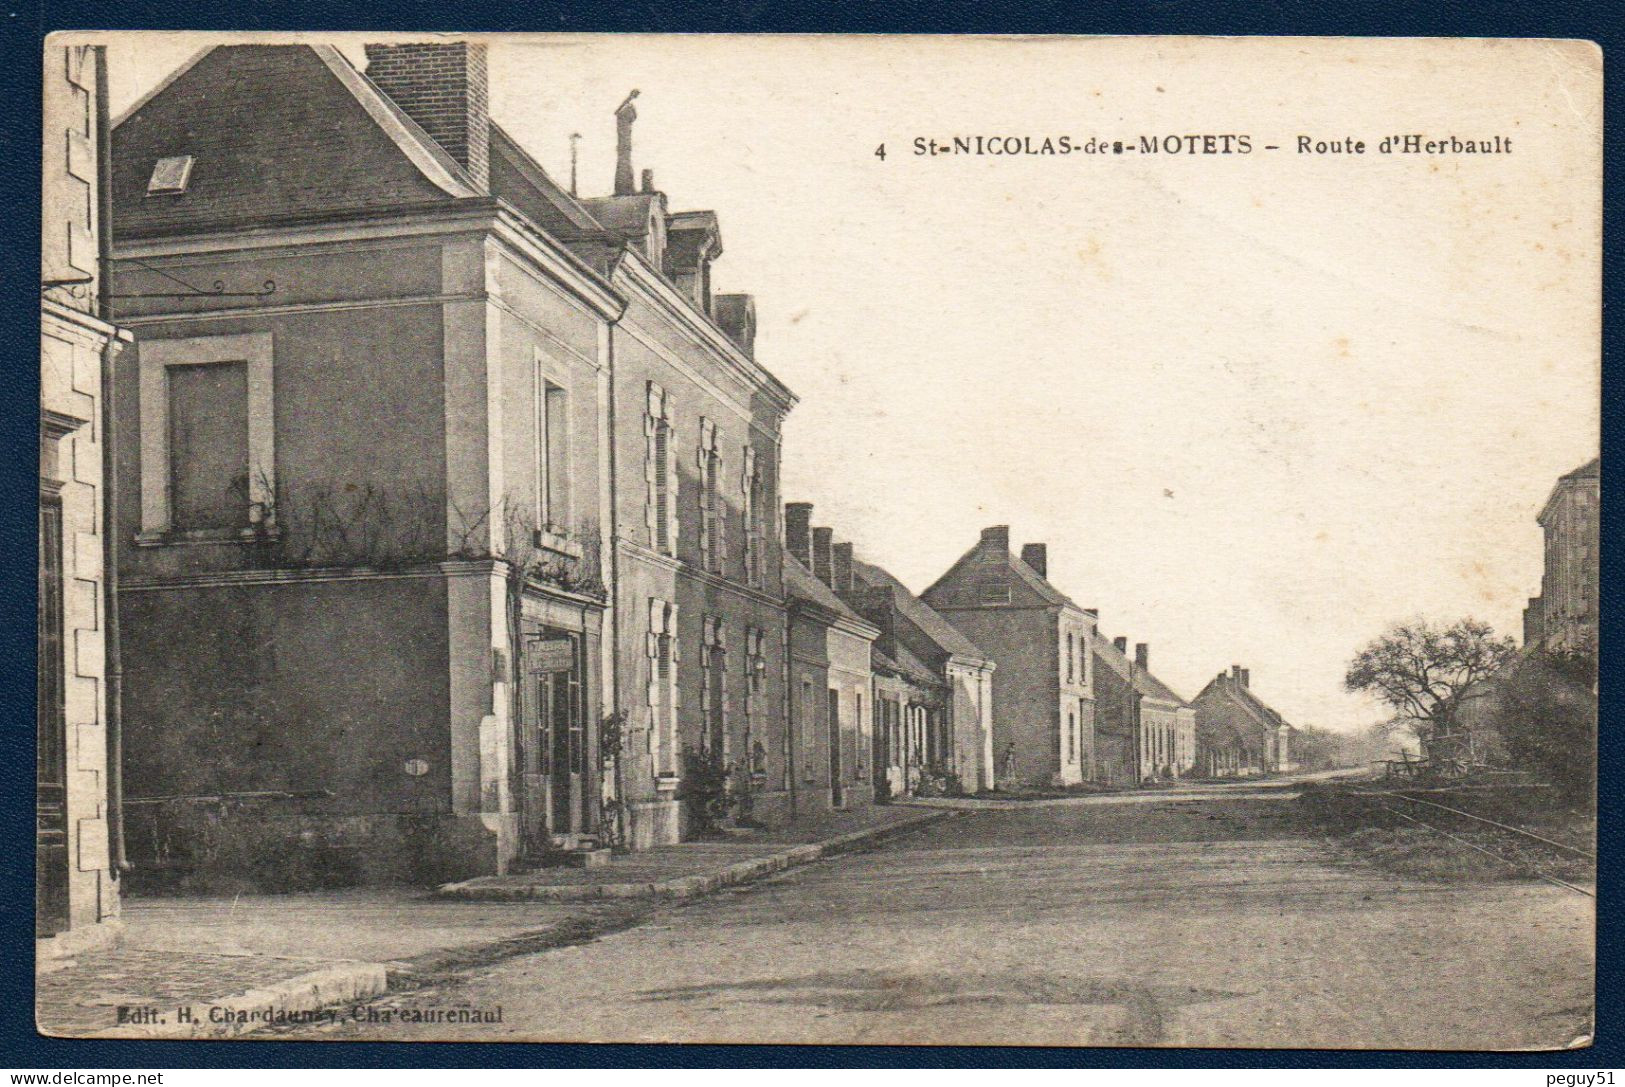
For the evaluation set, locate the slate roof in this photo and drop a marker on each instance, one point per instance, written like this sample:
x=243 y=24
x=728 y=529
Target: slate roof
x=625 y=215
x=947 y=636
x=1260 y=711
x=903 y=661
x=976 y=559
x=1143 y=681
x=551 y=205
x=802 y=584
x=275 y=131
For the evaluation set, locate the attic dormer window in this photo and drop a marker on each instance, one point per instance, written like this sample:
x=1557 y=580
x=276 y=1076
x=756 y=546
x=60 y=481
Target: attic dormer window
x=170 y=175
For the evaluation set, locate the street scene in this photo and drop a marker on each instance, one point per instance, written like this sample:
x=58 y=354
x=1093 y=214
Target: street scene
x=465 y=614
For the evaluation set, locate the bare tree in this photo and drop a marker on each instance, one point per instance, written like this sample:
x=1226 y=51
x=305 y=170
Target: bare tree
x=1428 y=675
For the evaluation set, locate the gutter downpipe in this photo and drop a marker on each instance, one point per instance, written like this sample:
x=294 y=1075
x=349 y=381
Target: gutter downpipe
x=110 y=507
x=615 y=591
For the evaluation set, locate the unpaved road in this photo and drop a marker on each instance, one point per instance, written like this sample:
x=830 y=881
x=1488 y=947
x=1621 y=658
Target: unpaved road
x=1219 y=923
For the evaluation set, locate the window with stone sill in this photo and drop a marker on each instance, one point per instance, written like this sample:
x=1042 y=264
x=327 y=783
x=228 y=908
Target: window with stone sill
x=206 y=439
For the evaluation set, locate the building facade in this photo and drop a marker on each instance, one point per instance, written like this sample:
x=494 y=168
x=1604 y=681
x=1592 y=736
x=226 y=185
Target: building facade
x=1043 y=682
x=77 y=800
x=1237 y=733
x=699 y=581
x=1564 y=615
x=1143 y=730
x=446 y=554
x=831 y=683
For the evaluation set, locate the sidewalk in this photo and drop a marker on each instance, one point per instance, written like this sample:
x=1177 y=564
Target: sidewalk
x=238 y=964
x=689 y=869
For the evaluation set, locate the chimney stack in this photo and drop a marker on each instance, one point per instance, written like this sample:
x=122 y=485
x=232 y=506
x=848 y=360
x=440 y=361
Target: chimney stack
x=998 y=536
x=1246 y=677
x=797 y=531
x=1036 y=556
x=1235 y=674
x=648 y=180
x=1121 y=644
x=840 y=557
x=444 y=88
x=625 y=114
x=822 y=540
x=1142 y=656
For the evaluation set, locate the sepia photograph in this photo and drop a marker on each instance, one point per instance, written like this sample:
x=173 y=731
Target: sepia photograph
x=819 y=539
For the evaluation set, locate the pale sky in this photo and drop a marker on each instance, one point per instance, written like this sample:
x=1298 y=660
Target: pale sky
x=1258 y=406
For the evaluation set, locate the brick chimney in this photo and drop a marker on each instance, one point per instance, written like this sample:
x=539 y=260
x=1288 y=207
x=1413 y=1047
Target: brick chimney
x=625 y=114
x=1246 y=677
x=1235 y=675
x=823 y=540
x=797 y=531
x=1142 y=656
x=840 y=559
x=442 y=86
x=998 y=536
x=1121 y=644
x=1036 y=556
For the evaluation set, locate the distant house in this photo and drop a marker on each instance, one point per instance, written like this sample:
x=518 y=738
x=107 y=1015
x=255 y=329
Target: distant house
x=1565 y=613
x=1043 y=686
x=1143 y=730
x=1237 y=733
x=831 y=691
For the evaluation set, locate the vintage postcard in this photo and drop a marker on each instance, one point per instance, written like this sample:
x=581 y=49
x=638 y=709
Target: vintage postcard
x=888 y=540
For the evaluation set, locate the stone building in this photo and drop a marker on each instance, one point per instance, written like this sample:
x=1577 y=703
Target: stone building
x=933 y=696
x=699 y=581
x=831 y=685
x=1564 y=615
x=452 y=503
x=1043 y=685
x=1237 y=733
x=77 y=832
x=1143 y=730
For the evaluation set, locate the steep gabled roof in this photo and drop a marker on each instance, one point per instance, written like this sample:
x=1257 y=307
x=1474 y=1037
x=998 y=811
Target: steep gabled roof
x=947 y=637
x=273 y=131
x=1143 y=681
x=1260 y=711
x=984 y=556
x=801 y=584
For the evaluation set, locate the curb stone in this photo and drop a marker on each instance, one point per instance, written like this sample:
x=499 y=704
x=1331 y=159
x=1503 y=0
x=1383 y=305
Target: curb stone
x=354 y=982
x=685 y=887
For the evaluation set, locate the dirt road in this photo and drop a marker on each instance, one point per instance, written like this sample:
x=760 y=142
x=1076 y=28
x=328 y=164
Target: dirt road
x=1215 y=923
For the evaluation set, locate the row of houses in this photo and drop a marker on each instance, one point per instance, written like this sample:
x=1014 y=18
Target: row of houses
x=402 y=504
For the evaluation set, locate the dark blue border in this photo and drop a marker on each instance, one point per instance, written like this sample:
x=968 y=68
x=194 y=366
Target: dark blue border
x=23 y=30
